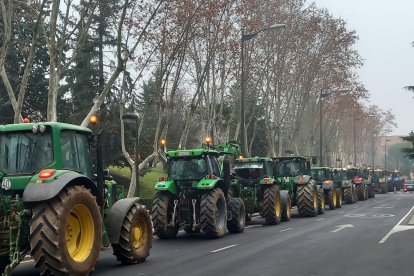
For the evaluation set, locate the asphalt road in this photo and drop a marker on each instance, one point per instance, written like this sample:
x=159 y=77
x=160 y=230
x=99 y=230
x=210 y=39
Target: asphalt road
x=373 y=237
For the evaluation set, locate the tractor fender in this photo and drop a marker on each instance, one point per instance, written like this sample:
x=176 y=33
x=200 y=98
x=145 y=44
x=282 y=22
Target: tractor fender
x=302 y=179
x=327 y=186
x=284 y=196
x=116 y=215
x=35 y=193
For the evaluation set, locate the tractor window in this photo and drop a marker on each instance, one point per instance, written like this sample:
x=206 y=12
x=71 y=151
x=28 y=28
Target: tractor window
x=288 y=168
x=75 y=152
x=214 y=166
x=25 y=152
x=187 y=168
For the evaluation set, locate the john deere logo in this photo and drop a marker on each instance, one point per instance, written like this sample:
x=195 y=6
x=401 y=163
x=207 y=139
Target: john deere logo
x=6 y=184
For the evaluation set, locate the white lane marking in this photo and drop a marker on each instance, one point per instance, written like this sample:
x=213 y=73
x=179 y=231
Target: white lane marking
x=356 y=206
x=341 y=212
x=224 y=248
x=398 y=227
x=287 y=229
x=250 y=226
x=342 y=227
x=411 y=222
x=320 y=219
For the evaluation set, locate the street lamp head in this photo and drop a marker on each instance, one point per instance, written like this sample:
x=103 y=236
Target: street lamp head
x=130 y=117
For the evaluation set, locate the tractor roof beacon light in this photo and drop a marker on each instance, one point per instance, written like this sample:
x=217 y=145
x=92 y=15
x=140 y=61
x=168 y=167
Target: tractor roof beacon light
x=26 y=120
x=93 y=120
x=208 y=141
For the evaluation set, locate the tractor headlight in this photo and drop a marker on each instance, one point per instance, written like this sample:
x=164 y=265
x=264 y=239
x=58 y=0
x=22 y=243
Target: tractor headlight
x=34 y=129
x=42 y=128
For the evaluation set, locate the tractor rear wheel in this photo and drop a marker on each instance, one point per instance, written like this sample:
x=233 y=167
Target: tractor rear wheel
x=272 y=209
x=307 y=198
x=238 y=215
x=65 y=233
x=136 y=236
x=162 y=211
x=213 y=213
x=321 y=202
x=360 y=192
x=338 y=198
x=348 y=195
x=383 y=188
x=332 y=198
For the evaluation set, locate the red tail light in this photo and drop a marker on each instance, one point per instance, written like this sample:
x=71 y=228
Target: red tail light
x=357 y=179
x=326 y=182
x=300 y=179
x=47 y=173
x=211 y=176
x=266 y=180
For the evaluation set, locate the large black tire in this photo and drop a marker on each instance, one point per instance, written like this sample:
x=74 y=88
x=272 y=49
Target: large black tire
x=162 y=211
x=348 y=195
x=360 y=192
x=383 y=188
x=286 y=209
x=4 y=261
x=338 y=198
x=136 y=236
x=213 y=213
x=272 y=208
x=331 y=198
x=321 y=202
x=238 y=215
x=65 y=233
x=189 y=229
x=307 y=200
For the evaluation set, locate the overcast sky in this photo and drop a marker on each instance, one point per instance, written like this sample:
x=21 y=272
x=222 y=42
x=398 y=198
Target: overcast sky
x=386 y=30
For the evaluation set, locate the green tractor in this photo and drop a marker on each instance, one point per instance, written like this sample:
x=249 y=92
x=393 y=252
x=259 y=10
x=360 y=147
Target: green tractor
x=254 y=182
x=297 y=188
x=324 y=177
x=55 y=208
x=379 y=180
x=362 y=184
x=348 y=190
x=195 y=194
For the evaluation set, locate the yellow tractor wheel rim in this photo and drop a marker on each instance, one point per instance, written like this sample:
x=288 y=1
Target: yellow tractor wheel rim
x=80 y=232
x=138 y=234
x=315 y=199
x=334 y=195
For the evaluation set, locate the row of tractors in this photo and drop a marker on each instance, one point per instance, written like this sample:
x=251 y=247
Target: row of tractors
x=212 y=189
x=58 y=205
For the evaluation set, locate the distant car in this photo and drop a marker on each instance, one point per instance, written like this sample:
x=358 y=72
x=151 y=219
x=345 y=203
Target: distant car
x=408 y=185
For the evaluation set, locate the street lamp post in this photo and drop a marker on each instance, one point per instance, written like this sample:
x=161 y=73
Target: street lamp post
x=385 y=153
x=321 y=96
x=246 y=37
x=131 y=117
x=356 y=119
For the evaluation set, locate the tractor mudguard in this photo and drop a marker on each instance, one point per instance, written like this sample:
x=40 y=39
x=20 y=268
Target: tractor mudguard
x=207 y=183
x=116 y=215
x=36 y=192
x=346 y=184
x=167 y=185
x=302 y=179
x=284 y=196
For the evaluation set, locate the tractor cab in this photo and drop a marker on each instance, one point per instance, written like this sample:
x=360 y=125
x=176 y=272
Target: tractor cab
x=321 y=174
x=253 y=170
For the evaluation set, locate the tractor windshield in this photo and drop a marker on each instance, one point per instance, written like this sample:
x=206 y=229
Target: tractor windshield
x=351 y=173
x=25 y=152
x=289 y=167
x=187 y=168
x=249 y=170
x=320 y=175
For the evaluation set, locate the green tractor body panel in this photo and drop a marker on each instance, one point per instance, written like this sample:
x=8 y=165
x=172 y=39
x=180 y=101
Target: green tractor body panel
x=167 y=185
x=207 y=183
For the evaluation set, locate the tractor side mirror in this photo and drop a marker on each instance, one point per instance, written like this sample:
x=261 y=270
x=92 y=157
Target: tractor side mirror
x=314 y=161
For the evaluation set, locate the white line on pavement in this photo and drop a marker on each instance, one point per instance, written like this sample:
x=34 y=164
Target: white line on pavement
x=287 y=229
x=250 y=226
x=341 y=212
x=320 y=219
x=224 y=248
x=398 y=228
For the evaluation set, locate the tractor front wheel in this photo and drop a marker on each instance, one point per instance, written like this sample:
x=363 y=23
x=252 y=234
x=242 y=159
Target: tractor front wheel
x=136 y=236
x=213 y=213
x=360 y=192
x=321 y=202
x=348 y=195
x=332 y=198
x=307 y=198
x=271 y=205
x=286 y=209
x=65 y=233
x=338 y=198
